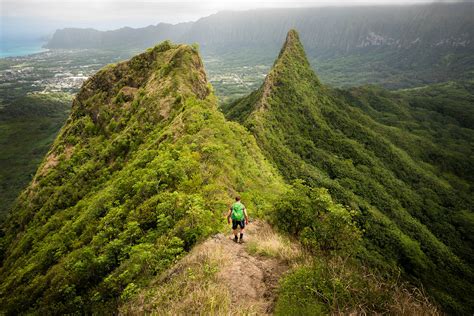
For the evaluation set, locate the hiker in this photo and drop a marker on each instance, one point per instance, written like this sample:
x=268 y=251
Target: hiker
x=239 y=216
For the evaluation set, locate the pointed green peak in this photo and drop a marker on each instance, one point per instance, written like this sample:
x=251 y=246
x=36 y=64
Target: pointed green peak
x=292 y=60
x=291 y=75
x=290 y=78
x=292 y=45
x=165 y=67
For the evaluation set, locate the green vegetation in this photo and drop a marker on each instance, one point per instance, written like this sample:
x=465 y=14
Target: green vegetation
x=330 y=280
x=411 y=186
x=143 y=169
x=35 y=99
x=28 y=126
x=146 y=164
x=336 y=285
x=192 y=286
x=395 y=69
x=321 y=225
x=433 y=124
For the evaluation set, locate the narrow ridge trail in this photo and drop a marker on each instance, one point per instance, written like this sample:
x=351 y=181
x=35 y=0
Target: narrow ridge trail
x=221 y=277
x=252 y=279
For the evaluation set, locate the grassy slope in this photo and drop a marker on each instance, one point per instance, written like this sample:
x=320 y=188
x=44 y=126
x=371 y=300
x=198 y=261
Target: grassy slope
x=28 y=126
x=143 y=168
x=413 y=208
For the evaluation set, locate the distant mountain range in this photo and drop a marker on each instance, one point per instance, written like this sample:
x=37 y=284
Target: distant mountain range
x=324 y=31
x=402 y=45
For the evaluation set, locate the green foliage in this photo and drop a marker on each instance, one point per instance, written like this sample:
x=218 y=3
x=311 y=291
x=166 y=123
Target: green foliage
x=337 y=286
x=321 y=225
x=113 y=205
x=146 y=165
x=398 y=158
x=309 y=291
x=28 y=126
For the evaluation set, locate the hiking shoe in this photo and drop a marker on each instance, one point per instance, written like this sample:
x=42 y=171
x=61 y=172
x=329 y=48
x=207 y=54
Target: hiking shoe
x=241 y=241
x=236 y=239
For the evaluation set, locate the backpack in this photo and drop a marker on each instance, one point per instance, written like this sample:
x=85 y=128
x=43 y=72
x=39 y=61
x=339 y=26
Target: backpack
x=238 y=211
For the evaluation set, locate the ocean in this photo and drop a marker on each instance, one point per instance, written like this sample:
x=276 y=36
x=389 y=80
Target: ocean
x=15 y=48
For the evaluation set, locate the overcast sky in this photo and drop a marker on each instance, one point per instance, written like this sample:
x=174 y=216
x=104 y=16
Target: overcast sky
x=110 y=14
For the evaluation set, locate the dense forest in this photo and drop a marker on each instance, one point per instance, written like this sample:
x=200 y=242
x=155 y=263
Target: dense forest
x=373 y=185
x=398 y=158
x=140 y=171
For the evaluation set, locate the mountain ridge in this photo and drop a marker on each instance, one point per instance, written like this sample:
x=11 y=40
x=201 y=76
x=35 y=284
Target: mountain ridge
x=365 y=38
x=146 y=165
x=140 y=172
x=311 y=132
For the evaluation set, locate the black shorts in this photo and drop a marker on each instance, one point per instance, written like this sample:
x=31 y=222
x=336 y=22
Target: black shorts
x=236 y=223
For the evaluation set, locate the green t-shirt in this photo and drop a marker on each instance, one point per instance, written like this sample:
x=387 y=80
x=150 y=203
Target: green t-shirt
x=238 y=211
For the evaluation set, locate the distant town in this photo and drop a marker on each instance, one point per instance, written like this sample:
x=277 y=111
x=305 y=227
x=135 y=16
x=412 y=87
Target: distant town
x=66 y=70
x=51 y=71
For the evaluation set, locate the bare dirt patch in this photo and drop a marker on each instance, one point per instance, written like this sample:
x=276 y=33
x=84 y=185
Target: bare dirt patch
x=251 y=279
x=220 y=277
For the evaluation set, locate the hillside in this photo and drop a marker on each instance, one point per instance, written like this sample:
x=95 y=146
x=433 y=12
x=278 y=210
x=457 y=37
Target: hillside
x=27 y=128
x=219 y=277
x=396 y=46
x=144 y=167
x=226 y=278
x=368 y=189
x=384 y=154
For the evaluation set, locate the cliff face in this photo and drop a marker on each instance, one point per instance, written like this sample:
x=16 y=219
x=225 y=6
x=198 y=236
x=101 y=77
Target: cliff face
x=144 y=167
x=394 y=46
x=325 y=31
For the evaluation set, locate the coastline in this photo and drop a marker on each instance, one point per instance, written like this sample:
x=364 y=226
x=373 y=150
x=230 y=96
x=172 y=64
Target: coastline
x=22 y=50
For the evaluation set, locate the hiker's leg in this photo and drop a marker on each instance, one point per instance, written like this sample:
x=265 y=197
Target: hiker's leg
x=234 y=229
x=242 y=228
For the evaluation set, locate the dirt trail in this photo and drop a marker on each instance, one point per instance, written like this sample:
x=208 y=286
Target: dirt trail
x=221 y=277
x=251 y=279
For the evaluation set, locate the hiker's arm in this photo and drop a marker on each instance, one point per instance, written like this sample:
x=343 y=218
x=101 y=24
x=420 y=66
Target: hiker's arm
x=228 y=215
x=246 y=216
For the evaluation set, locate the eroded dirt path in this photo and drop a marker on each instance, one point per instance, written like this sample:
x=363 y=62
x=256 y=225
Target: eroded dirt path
x=252 y=279
x=221 y=277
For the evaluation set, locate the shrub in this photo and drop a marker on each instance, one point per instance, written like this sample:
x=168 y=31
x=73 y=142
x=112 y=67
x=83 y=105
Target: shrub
x=320 y=224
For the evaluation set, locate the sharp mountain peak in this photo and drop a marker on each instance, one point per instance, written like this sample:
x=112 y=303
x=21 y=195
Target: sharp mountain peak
x=291 y=66
x=292 y=44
